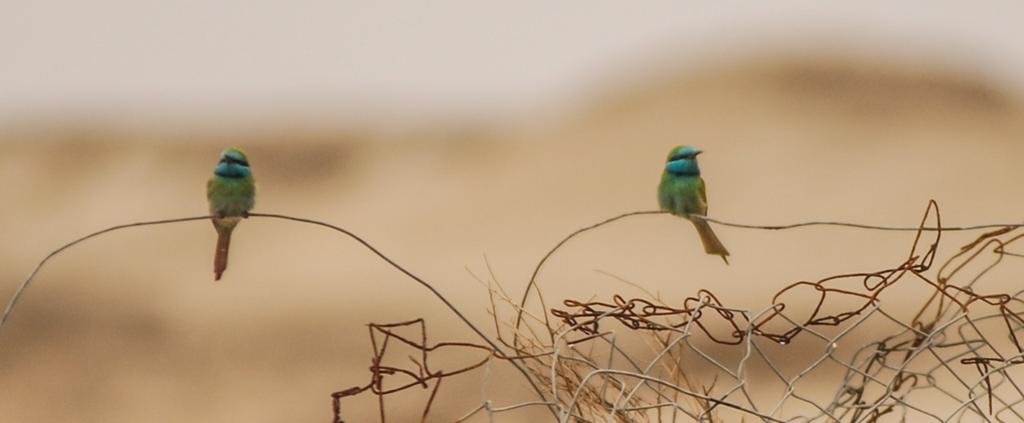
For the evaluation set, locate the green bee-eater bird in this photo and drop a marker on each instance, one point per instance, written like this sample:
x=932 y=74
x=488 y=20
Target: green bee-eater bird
x=681 y=192
x=232 y=193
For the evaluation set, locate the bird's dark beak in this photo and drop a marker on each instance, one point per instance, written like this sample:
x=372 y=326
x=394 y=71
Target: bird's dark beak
x=697 y=153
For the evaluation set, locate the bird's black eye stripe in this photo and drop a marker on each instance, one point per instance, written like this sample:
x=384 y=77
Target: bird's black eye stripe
x=235 y=161
x=681 y=156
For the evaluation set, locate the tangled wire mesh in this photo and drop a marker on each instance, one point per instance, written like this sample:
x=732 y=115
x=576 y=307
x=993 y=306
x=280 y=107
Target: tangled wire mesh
x=846 y=348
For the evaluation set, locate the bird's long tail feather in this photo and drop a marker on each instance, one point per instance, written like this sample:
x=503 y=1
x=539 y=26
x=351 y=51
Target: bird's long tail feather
x=712 y=245
x=220 y=260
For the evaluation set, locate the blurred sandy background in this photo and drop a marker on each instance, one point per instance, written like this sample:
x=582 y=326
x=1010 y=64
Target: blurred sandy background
x=445 y=134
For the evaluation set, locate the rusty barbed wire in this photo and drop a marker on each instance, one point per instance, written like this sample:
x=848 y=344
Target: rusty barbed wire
x=637 y=313
x=532 y=283
x=420 y=377
x=952 y=357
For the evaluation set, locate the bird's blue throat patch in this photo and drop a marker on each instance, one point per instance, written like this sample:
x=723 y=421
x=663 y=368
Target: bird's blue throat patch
x=232 y=170
x=687 y=166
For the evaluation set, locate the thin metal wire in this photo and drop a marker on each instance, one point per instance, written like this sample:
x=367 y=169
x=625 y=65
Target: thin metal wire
x=19 y=292
x=961 y=346
x=31 y=276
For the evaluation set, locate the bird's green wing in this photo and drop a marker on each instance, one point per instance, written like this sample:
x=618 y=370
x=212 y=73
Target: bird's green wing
x=703 y=194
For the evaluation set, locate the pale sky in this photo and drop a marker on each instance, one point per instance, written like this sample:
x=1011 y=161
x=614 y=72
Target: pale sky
x=416 y=59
